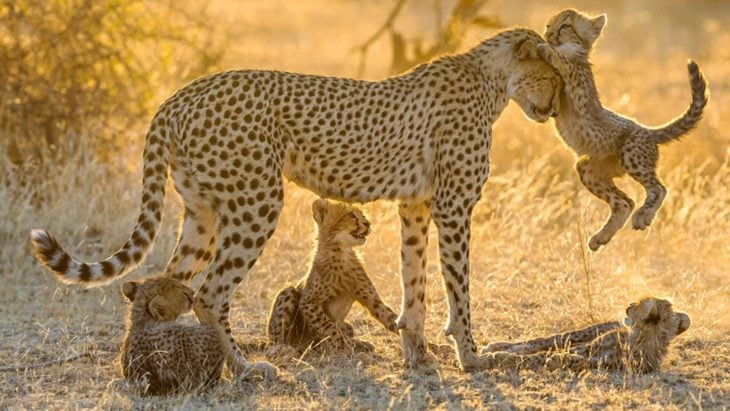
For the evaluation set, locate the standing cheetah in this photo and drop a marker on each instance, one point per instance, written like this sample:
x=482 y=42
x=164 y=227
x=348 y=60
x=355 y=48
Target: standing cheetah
x=316 y=308
x=421 y=138
x=639 y=346
x=610 y=144
x=163 y=357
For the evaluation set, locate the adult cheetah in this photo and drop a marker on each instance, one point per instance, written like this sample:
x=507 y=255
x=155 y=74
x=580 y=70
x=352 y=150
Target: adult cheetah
x=421 y=138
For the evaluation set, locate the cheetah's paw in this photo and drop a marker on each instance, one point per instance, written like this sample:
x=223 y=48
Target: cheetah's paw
x=598 y=240
x=642 y=218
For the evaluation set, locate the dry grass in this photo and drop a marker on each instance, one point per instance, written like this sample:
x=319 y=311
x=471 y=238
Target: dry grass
x=528 y=270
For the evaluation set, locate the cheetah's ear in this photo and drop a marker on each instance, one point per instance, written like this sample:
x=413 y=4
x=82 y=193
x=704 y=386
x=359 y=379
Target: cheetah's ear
x=527 y=50
x=319 y=209
x=129 y=288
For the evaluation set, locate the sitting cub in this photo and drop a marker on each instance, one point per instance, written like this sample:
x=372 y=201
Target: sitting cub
x=316 y=308
x=163 y=357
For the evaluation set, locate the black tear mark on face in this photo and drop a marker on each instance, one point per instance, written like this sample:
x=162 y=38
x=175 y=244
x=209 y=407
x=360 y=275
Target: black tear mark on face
x=652 y=319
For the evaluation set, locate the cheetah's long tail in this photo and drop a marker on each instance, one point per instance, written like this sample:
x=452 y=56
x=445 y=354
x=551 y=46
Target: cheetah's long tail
x=685 y=123
x=69 y=270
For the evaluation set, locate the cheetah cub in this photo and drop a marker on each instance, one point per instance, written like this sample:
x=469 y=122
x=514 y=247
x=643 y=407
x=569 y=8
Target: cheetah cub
x=315 y=309
x=159 y=355
x=609 y=144
x=638 y=346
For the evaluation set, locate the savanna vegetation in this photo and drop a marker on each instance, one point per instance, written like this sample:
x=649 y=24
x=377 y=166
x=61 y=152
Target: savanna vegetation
x=81 y=79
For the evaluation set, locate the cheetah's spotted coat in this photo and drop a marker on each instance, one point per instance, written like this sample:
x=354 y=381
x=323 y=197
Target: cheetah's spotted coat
x=421 y=138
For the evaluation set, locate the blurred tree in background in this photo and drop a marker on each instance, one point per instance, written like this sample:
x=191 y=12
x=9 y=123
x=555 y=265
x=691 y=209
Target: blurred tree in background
x=448 y=36
x=85 y=72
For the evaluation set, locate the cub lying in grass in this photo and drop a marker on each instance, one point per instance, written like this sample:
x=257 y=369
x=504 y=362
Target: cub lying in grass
x=639 y=346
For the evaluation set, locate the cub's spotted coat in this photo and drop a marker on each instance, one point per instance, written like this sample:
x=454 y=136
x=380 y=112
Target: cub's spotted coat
x=160 y=356
x=317 y=307
x=610 y=144
x=639 y=346
x=421 y=138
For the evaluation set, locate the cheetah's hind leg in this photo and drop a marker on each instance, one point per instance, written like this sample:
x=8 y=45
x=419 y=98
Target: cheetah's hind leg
x=597 y=176
x=639 y=159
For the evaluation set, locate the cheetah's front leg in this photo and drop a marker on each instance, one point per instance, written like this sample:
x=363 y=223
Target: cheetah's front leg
x=454 y=231
x=554 y=342
x=414 y=238
x=368 y=296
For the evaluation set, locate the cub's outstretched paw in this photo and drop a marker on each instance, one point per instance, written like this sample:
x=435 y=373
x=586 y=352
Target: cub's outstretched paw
x=496 y=346
x=265 y=370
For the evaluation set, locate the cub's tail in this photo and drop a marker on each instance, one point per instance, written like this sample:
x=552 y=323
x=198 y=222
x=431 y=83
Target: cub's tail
x=70 y=271
x=683 y=124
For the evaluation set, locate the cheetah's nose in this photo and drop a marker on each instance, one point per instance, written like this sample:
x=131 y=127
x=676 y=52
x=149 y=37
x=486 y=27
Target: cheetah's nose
x=554 y=113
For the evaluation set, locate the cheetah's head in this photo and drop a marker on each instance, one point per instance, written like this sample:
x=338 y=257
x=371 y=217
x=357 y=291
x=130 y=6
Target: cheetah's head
x=574 y=32
x=340 y=223
x=533 y=84
x=655 y=316
x=164 y=299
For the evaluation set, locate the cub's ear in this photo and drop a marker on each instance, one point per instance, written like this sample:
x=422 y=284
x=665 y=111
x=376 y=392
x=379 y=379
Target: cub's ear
x=599 y=22
x=527 y=50
x=596 y=28
x=653 y=316
x=129 y=288
x=156 y=308
x=319 y=210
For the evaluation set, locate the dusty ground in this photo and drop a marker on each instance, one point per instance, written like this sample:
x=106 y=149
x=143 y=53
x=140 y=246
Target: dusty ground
x=528 y=274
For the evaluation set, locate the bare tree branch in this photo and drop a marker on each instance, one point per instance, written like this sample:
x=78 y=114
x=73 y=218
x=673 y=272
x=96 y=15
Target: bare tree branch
x=386 y=26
